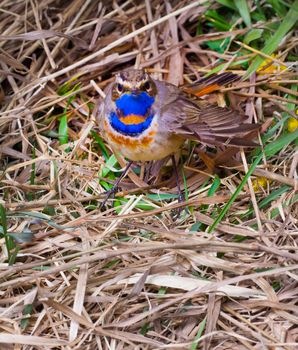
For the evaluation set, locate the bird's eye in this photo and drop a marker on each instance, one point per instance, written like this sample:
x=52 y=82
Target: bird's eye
x=119 y=87
x=147 y=85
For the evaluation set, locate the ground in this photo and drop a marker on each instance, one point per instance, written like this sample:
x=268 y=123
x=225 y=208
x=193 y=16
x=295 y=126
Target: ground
x=134 y=275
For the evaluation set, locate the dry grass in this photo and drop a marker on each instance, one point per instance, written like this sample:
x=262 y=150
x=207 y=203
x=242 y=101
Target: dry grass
x=130 y=276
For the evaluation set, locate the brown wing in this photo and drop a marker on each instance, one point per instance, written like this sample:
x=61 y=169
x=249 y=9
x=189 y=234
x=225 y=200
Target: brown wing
x=201 y=121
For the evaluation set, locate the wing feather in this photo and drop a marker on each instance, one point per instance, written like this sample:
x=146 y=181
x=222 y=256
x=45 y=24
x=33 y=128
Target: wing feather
x=197 y=119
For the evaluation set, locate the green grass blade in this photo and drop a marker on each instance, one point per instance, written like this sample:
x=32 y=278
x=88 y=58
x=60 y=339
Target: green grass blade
x=278 y=7
x=273 y=196
x=63 y=130
x=194 y=344
x=227 y=3
x=214 y=187
x=63 y=124
x=274 y=147
x=224 y=65
x=27 y=312
x=101 y=144
x=186 y=192
x=13 y=255
x=243 y=9
x=9 y=243
x=217 y=21
x=252 y=35
x=161 y=196
x=110 y=165
x=272 y=44
x=267 y=200
x=235 y=194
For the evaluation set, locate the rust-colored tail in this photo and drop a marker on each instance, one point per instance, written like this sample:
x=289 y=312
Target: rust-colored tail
x=210 y=84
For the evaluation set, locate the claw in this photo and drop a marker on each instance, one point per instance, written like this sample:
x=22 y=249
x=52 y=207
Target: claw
x=109 y=193
x=114 y=189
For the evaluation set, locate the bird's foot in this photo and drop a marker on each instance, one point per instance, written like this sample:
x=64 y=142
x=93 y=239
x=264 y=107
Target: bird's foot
x=109 y=194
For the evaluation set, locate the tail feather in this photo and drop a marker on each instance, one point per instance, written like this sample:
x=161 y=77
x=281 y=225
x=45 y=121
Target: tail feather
x=235 y=129
x=226 y=141
x=210 y=84
x=220 y=79
x=236 y=135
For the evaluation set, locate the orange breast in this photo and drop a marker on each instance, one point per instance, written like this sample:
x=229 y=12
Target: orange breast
x=132 y=119
x=129 y=141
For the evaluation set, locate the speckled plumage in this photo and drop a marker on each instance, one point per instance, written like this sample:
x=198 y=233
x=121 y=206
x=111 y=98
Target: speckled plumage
x=145 y=119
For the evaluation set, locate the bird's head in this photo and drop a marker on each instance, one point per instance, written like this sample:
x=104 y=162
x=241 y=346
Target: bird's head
x=133 y=82
x=133 y=93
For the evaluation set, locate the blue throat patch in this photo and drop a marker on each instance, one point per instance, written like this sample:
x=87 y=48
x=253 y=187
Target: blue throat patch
x=129 y=129
x=132 y=104
x=135 y=104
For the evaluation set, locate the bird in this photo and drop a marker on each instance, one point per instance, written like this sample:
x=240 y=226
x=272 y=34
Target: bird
x=146 y=119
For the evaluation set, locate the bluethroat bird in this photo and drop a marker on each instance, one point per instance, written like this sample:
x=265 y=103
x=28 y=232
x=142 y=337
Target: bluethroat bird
x=145 y=119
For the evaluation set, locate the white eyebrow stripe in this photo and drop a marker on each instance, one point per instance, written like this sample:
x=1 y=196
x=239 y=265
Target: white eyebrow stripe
x=120 y=80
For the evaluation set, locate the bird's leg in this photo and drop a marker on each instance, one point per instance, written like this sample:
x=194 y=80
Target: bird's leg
x=113 y=190
x=180 y=194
